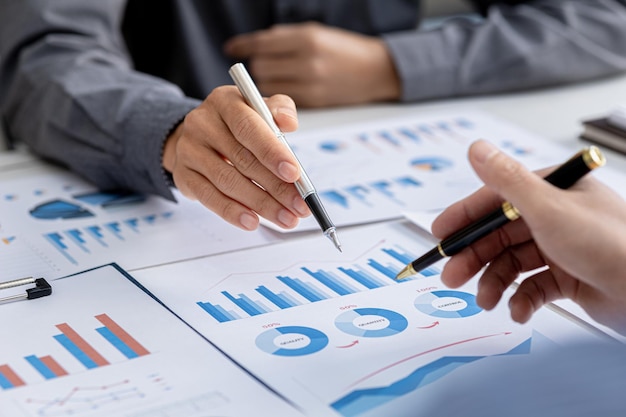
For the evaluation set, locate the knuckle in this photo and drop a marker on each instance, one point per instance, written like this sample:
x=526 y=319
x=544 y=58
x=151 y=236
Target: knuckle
x=245 y=126
x=283 y=189
x=228 y=210
x=509 y=168
x=243 y=159
x=206 y=195
x=226 y=178
x=219 y=92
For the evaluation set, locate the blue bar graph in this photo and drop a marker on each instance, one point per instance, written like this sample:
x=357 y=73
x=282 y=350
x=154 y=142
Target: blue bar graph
x=41 y=367
x=408 y=182
x=390 y=138
x=56 y=240
x=359 y=192
x=114 y=227
x=218 y=312
x=363 y=277
x=331 y=281
x=76 y=351
x=282 y=299
x=5 y=383
x=304 y=284
x=96 y=233
x=304 y=289
x=117 y=342
x=409 y=133
x=132 y=224
x=76 y=236
x=335 y=197
x=385 y=188
x=251 y=307
x=403 y=256
x=389 y=270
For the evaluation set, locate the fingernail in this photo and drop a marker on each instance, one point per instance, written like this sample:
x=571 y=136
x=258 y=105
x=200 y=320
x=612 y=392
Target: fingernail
x=288 y=172
x=483 y=150
x=300 y=206
x=248 y=221
x=287 y=111
x=287 y=218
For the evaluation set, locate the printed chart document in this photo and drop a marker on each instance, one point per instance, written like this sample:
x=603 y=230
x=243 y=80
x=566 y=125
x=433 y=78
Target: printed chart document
x=99 y=346
x=52 y=224
x=374 y=171
x=368 y=172
x=336 y=334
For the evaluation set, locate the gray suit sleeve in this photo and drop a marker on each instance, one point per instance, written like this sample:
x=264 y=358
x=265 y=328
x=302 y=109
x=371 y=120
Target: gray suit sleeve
x=68 y=90
x=537 y=44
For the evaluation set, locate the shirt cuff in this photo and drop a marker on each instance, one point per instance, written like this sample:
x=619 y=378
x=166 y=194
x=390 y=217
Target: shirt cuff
x=425 y=62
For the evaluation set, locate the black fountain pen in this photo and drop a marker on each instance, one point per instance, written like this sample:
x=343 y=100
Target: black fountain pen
x=563 y=177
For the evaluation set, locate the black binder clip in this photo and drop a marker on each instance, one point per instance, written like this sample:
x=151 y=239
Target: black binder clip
x=41 y=289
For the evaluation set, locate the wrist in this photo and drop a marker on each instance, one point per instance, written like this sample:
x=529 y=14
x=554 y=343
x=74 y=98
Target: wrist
x=385 y=85
x=168 y=158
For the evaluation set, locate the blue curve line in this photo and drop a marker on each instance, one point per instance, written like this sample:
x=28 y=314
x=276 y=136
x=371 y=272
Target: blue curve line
x=359 y=401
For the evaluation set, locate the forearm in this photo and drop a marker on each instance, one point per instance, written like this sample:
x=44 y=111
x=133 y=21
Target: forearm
x=548 y=43
x=74 y=98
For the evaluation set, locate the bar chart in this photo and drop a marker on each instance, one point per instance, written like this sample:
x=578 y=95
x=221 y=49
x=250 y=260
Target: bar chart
x=304 y=284
x=92 y=238
x=80 y=349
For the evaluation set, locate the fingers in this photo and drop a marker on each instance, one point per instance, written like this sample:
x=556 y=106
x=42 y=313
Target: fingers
x=284 y=112
x=505 y=269
x=466 y=264
x=278 y=40
x=534 y=292
x=465 y=211
x=508 y=178
x=226 y=188
x=230 y=160
x=252 y=133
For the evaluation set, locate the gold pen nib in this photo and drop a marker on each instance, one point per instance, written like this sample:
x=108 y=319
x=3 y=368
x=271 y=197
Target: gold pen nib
x=407 y=271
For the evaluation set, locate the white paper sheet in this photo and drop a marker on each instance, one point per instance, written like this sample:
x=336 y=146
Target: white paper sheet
x=375 y=171
x=99 y=347
x=335 y=333
x=52 y=224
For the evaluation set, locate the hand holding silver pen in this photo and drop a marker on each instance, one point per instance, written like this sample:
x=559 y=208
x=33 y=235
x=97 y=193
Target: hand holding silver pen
x=304 y=185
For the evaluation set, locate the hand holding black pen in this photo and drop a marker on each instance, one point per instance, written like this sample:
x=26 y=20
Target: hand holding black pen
x=563 y=177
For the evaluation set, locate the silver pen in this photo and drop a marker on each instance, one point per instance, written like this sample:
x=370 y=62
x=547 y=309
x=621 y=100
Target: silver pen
x=305 y=187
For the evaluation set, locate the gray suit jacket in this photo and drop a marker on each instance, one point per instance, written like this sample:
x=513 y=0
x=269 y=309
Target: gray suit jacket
x=97 y=85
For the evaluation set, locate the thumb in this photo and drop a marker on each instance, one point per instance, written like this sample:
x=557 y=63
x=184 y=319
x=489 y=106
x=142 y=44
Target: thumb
x=508 y=178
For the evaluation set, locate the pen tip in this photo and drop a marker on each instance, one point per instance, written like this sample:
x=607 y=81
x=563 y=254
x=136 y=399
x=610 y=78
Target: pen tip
x=407 y=271
x=332 y=235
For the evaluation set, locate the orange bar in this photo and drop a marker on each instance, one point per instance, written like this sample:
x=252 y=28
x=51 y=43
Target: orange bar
x=121 y=333
x=82 y=344
x=8 y=373
x=53 y=366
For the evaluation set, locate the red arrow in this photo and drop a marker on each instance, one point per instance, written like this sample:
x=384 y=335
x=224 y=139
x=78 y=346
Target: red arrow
x=430 y=327
x=348 y=346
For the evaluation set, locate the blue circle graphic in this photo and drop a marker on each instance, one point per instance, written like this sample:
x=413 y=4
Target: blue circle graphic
x=443 y=303
x=314 y=339
x=394 y=322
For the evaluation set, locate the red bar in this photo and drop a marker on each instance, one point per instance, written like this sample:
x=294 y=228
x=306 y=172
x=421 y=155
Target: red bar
x=82 y=344
x=53 y=366
x=121 y=333
x=8 y=373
